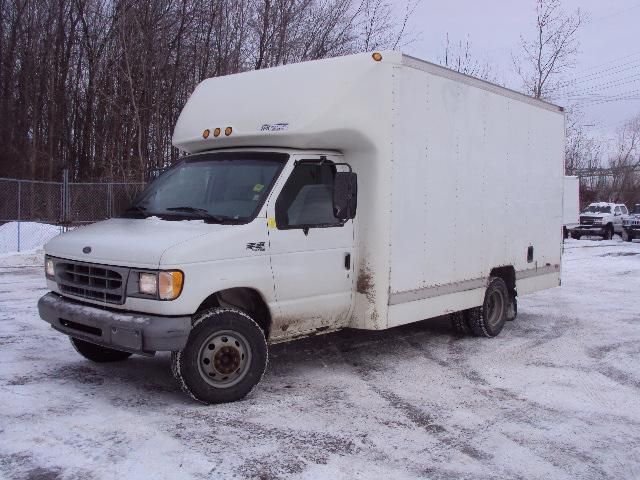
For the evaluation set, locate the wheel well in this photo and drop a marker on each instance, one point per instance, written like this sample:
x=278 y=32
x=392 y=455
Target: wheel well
x=508 y=274
x=248 y=300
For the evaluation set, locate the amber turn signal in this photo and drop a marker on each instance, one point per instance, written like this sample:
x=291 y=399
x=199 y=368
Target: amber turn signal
x=227 y=131
x=377 y=56
x=216 y=132
x=206 y=133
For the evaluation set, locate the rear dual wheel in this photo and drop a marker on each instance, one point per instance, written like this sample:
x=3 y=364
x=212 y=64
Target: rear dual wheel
x=488 y=321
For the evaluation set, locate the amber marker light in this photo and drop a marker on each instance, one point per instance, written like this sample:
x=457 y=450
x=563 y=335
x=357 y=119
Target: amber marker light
x=170 y=284
x=216 y=132
x=227 y=131
x=206 y=133
x=377 y=56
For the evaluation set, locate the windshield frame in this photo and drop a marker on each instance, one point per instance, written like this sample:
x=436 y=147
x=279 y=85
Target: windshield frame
x=211 y=156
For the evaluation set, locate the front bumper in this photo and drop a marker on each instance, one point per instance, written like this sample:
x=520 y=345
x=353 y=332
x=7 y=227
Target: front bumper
x=131 y=332
x=597 y=230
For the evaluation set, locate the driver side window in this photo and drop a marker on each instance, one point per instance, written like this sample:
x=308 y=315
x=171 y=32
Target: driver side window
x=307 y=198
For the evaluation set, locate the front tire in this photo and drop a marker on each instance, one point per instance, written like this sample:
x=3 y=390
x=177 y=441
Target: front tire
x=225 y=357
x=97 y=353
x=575 y=236
x=489 y=320
x=608 y=233
x=627 y=236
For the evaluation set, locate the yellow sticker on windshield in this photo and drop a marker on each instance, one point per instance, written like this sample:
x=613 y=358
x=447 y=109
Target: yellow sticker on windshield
x=258 y=187
x=271 y=222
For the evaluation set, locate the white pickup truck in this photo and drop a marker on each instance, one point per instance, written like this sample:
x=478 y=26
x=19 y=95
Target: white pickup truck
x=366 y=191
x=601 y=219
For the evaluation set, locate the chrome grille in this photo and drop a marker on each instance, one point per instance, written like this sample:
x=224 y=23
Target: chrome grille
x=91 y=281
x=587 y=220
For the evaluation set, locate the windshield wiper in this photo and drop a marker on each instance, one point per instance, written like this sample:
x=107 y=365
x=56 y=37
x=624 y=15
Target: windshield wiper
x=203 y=212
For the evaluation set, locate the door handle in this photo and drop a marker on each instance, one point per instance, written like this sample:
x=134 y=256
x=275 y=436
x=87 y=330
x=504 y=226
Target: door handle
x=347 y=261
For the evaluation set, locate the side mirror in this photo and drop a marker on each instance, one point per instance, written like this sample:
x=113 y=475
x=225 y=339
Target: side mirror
x=345 y=195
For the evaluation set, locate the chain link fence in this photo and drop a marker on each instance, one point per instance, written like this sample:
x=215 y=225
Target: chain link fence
x=32 y=212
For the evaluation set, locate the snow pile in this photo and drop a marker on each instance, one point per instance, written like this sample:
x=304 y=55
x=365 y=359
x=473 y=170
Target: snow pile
x=32 y=235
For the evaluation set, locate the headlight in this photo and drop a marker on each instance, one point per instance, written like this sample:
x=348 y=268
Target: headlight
x=49 y=271
x=148 y=283
x=163 y=285
x=170 y=284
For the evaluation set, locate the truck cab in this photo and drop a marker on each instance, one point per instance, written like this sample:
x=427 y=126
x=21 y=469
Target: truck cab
x=631 y=224
x=264 y=236
x=601 y=219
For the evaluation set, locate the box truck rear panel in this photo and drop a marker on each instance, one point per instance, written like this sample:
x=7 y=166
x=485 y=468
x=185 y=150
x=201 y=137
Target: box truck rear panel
x=477 y=181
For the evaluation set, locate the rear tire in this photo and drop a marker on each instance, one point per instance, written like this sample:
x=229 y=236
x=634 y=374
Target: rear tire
x=225 y=357
x=512 y=308
x=97 y=353
x=489 y=320
x=459 y=323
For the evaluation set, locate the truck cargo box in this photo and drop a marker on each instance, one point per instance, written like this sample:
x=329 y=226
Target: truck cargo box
x=459 y=179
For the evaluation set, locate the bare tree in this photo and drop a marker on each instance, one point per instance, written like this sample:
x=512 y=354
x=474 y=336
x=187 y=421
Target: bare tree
x=551 y=51
x=625 y=163
x=378 y=24
x=458 y=56
x=96 y=86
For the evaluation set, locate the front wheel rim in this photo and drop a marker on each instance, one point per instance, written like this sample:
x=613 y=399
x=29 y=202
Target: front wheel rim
x=224 y=359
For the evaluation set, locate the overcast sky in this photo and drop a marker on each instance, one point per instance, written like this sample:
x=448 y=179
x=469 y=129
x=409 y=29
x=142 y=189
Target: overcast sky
x=608 y=63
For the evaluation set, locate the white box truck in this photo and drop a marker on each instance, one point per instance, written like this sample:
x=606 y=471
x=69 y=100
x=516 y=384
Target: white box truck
x=366 y=191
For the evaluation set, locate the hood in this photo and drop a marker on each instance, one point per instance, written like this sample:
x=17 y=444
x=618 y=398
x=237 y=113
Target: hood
x=127 y=241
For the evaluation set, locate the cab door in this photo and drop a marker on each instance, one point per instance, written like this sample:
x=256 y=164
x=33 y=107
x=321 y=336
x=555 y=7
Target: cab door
x=311 y=251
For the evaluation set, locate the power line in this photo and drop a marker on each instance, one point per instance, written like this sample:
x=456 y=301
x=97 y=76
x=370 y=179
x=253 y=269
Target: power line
x=591 y=103
x=602 y=86
x=608 y=62
x=615 y=14
x=602 y=73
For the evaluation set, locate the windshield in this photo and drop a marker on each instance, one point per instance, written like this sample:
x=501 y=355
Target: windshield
x=597 y=209
x=225 y=187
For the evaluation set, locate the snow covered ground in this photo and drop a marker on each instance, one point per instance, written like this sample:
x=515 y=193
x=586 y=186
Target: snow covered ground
x=555 y=396
x=32 y=235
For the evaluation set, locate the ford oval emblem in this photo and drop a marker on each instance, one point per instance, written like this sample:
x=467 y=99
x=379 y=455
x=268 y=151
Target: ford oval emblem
x=86 y=250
